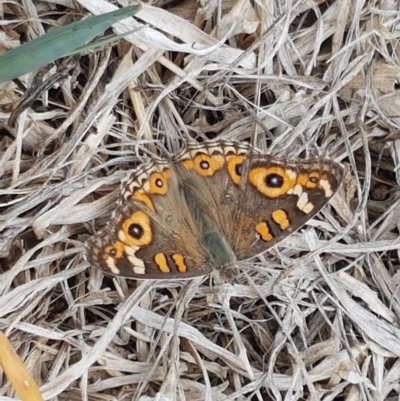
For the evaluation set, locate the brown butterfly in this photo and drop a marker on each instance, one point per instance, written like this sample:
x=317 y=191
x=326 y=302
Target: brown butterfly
x=211 y=205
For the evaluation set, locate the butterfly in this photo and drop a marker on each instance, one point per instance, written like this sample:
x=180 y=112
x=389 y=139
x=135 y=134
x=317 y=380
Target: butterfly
x=208 y=207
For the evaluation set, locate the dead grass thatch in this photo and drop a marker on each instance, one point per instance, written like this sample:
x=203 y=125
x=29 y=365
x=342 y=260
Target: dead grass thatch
x=317 y=316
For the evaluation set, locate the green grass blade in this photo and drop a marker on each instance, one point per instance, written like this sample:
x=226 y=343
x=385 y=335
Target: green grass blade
x=57 y=43
x=106 y=41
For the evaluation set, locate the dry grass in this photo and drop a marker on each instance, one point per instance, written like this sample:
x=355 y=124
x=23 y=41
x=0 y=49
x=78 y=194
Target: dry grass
x=317 y=317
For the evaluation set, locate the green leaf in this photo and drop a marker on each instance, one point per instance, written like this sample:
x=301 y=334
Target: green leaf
x=57 y=43
x=106 y=41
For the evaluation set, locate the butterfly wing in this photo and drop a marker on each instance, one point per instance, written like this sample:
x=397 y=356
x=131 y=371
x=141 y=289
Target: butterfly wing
x=277 y=197
x=152 y=234
x=253 y=200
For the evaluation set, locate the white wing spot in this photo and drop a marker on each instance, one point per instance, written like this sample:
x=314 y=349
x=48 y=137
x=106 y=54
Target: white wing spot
x=137 y=263
x=297 y=190
x=111 y=265
x=131 y=250
x=308 y=208
x=121 y=236
x=292 y=174
x=303 y=201
x=327 y=188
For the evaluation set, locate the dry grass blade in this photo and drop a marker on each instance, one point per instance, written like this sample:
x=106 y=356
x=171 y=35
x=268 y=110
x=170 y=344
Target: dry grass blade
x=17 y=373
x=315 y=317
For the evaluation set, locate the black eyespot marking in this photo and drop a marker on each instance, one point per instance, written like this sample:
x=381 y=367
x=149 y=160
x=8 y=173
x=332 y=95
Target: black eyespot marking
x=113 y=252
x=204 y=165
x=314 y=180
x=159 y=183
x=239 y=169
x=274 y=180
x=136 y=231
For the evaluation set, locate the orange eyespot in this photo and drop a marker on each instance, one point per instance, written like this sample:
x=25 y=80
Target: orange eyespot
x=235 y=167
x=309 y=180
x=273 y=181
x=205 y=165
x=114 y=251
x=158 y=182
x=136 y=230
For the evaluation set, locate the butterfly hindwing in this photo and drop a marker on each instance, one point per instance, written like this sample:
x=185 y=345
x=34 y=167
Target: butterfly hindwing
x=280 y=196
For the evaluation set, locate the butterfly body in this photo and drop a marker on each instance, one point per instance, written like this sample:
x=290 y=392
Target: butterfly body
x=211 y=205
